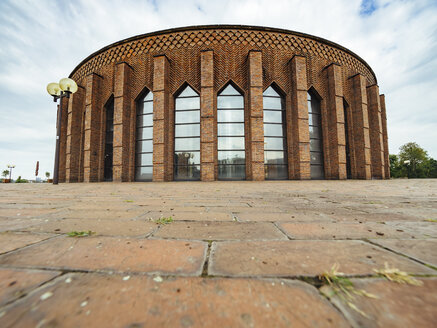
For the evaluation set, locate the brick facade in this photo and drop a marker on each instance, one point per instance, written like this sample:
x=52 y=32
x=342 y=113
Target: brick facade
x=207 y=58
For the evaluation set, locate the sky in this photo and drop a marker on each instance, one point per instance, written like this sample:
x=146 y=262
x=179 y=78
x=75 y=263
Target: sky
x=42 y=41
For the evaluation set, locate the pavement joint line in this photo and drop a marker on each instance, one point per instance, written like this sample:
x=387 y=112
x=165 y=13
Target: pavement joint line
x=282 y=230
x=402 y=254
x=29 y=245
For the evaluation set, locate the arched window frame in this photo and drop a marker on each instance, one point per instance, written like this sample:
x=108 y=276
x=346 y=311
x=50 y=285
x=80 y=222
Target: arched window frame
x=317 y=166
x=109 y=140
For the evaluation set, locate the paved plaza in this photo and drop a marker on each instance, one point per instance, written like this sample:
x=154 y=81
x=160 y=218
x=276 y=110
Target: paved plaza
x=216 y=254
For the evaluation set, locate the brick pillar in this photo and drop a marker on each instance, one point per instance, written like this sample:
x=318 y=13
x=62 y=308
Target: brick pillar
x=75 y=113
x=385 y=137
x=93 y=109
x=122 y=108
x=376 y=137
x=361 y=169
x=63 y=141
x=208 y=153
x=160 y=117
x=256 y=133
x=336 y=133
x=299 y=147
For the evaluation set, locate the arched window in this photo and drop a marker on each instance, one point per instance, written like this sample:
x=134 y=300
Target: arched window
x=144 y=141
x=187 y=135
x=316 y=138
x=230 y=134
x=109 y=140
x=346 y=136
x=275 y=155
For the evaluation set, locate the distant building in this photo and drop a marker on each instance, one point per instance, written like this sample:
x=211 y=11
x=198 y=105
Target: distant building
x=224 y=102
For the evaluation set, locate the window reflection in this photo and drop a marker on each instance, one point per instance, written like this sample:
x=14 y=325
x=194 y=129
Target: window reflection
x=187 y=135
x=275 y=155
x=144 y=139
x=230 y=132
x=316 y=140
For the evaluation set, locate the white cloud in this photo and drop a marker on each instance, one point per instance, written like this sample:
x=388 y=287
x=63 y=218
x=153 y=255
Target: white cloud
x=44 y=40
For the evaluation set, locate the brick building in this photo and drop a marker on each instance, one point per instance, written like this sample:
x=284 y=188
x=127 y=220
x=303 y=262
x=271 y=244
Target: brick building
x=223 y=102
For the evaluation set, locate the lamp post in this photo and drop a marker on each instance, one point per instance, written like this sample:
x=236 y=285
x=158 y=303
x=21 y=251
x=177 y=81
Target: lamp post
x=60 y=90
x=10 y=167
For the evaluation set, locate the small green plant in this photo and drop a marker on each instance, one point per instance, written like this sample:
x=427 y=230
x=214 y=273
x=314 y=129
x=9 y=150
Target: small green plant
x=164 y=220
x=19 y=180
x=47 y=175
x=80 y=233
x=129 y=201
x=431 y=220
x=343 y=288
x=396 y=275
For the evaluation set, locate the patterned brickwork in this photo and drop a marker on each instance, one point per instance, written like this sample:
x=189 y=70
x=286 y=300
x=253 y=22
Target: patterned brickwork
x=376 y=132
x=385 y=137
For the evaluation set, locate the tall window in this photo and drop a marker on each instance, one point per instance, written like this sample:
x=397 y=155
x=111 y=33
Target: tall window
x=144 y=143
x=275 y=156
x=187 y=136
x=230 y=133
x=346 y=136
x=316 y=138
x=109 y=140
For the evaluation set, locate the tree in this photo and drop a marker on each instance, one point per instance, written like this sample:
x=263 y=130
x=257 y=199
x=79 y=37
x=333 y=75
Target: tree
x=47 y=175
x=5 y=173
x=397 y=170
x=415 y=158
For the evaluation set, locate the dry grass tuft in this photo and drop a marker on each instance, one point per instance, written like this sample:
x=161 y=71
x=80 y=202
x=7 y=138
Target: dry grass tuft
x=396 y=275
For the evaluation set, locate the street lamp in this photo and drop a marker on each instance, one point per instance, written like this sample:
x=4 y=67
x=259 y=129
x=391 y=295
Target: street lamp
x=10 y=167
x=64 y=88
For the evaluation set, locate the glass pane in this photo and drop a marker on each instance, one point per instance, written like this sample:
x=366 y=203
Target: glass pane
x=230 y=143
x=187 y=158
x=273 y=143
x=314 y=119
x=188 y=117
x=148 y=107
x=235 y=129
x=314 y=132
x=229 y=90
x=145 y=146
x=144 y=173
x=187 y=172
x=187 y=144
x=273 y=130
x=187 y=103
x=237 y=172
x=149 y=96
x=316 y=158
x=315 y=145
x=272 y=103
x=273 y=116
x=188 y=92
x=230 y=102
x=187 y=130
x=144 y=120
x=314 y=106
x=230 y=115
x=274 y=157
x=276 y=172
x=145 y=133
x=144 y=159
x=317 y=172
x=109 y=137
x=270 y=92
x=231 y=157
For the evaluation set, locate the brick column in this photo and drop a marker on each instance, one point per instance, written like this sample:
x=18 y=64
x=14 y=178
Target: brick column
x=361 y=169
x=376 y=138
x=256 y=133
x=208 y=153
x=160 y=117
x=75 y=113
x=299 y=147
x=122 y=107
x=385 y=137
x=336 y=133
x=63 y=141
x=92 y=128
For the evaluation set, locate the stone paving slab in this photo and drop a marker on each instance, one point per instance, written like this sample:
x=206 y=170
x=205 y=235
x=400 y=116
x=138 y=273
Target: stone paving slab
x=112 y=254
x=16 y=283
x=303 y=258
x=341 y=230
x=99 y=226
x=190 y=216
x=99 y=214
x=17 y=224
x=10 y=241
x=24 y=212
x=422 y=250
x=220 y=231
x=397 y=305
x=109 y=301
x=422 y=228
